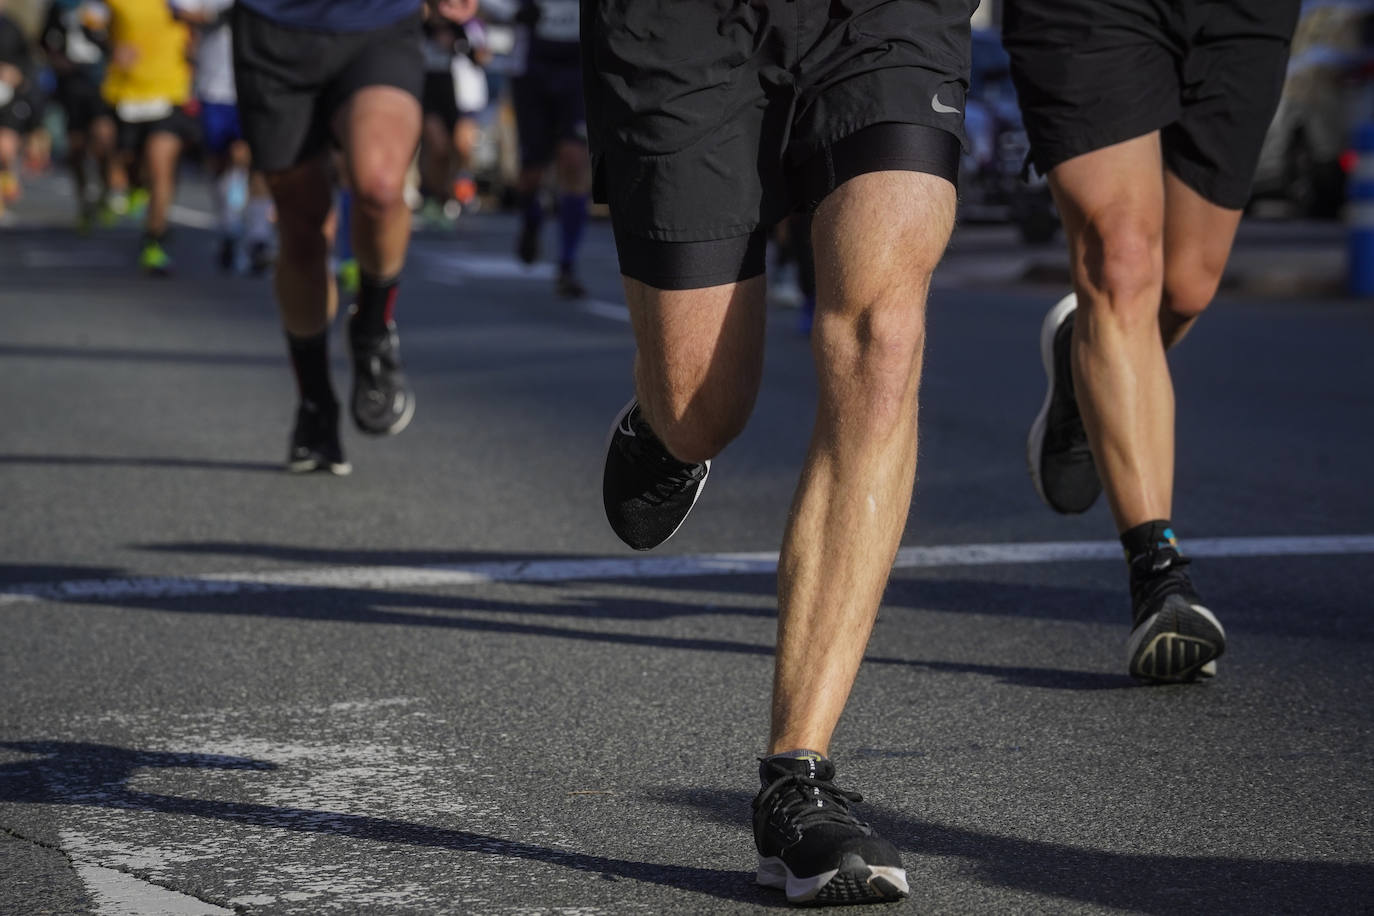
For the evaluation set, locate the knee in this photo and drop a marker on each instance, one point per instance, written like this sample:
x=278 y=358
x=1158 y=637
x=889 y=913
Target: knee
x=379 y=191
x=1189 y=286
x=1121 y=260
x=876 y=355
x=303 y=233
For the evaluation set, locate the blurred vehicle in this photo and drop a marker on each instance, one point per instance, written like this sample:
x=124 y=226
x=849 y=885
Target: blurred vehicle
x=1328 y=92
x=995 y=183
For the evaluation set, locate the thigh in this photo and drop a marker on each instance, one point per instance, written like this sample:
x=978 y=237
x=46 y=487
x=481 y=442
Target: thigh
x=876 y=240
x=1233 y=74
x=700 y=347
x=378 y=130
x=1092 y=73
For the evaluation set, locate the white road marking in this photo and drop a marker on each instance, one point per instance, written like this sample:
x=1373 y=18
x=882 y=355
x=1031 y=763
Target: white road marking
x=384 y=578
x=196 y=219
x=116 y=893
x=606 y=310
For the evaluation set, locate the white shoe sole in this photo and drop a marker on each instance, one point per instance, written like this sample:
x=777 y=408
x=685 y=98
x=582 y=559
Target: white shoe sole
x=1036 y=440
x=859 y=884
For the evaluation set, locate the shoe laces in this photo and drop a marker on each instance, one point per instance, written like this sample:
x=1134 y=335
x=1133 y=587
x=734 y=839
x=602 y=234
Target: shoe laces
x=664 y=476
x=1158 y=574
x=804 y=801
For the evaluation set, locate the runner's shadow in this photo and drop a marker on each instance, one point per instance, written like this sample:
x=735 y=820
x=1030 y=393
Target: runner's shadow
x=139 y=462
x=1134 y=882
x=96 y=775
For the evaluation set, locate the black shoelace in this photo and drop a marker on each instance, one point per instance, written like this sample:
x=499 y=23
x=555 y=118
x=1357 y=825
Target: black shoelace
x=1156 y=575
x=789 y=797
x=663 y=476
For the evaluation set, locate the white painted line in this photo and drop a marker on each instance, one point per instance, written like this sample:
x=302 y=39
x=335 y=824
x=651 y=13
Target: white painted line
x=606 y=310
x=386 y=578
x=196 y=219
x=116 y=893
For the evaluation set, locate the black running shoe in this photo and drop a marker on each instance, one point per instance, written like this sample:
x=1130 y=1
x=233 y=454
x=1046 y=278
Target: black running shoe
x=1060 y=459
x=382 y=403
x=647 y=492
x=568 y=286
x=1174 y=638
x=315 y=441
x=811 y=846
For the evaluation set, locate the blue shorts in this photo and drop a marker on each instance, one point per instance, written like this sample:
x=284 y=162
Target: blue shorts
x=219 y=124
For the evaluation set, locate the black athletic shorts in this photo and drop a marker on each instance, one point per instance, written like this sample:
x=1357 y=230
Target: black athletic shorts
x=291 y=81
x=79 y=96
x=19 y=115
x=439 y=98
x=548 y=109
x=1205 y=74
x=133 y=135
x=709 y=121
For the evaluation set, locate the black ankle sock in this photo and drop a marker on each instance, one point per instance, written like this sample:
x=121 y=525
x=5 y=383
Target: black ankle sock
x=1143 y=540
x=310 y=360
x=376 y=304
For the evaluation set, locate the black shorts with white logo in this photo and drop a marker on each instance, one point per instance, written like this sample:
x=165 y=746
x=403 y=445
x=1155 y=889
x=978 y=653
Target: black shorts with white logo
x=291 y=81
x=1206 y=75
x=709 y=121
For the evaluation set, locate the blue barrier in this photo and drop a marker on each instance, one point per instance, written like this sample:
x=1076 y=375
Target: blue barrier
x=1359 y=215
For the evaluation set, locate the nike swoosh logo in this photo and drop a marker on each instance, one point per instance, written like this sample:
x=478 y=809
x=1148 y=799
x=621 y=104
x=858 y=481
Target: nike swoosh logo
x=941 y=107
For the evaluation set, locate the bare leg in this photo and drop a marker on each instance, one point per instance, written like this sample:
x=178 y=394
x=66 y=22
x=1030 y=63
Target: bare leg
x=699 y=362
x=877 y=240
x=1112 y=202
x=160 y=162
x=1197 y=241
x=379 y=129
x=305 y=290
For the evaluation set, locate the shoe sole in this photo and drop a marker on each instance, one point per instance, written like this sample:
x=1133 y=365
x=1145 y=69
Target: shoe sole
x=610 y=437
x=1035 y=442
x=401 y=423
x=1157 y=652
x=406 y=413
x=855 y=881
x=310 y=465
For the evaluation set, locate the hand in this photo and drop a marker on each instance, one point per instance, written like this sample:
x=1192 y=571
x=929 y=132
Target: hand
x=459 y=11
x=11 y=75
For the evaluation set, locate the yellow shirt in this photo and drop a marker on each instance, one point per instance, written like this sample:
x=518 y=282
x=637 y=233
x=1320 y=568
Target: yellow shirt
x=156 y=46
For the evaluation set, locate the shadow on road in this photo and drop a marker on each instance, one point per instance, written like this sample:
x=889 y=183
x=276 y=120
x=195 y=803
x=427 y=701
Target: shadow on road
x=208 y=464
x=96 y=775
x=1138 y=883
x=454 y=610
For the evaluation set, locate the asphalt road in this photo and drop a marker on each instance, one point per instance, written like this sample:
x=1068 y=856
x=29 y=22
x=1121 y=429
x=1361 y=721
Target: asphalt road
x=442 y=685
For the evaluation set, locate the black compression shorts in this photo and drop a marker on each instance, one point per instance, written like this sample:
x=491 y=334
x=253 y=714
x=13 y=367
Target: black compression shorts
x=1206 y=75
x=709 y=121
x=291 y=82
